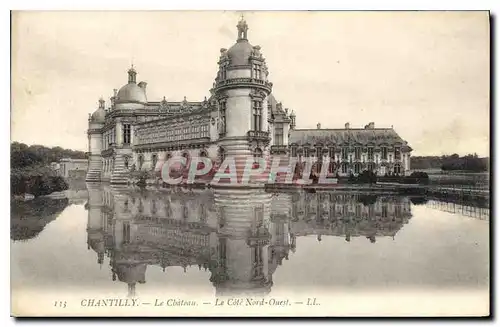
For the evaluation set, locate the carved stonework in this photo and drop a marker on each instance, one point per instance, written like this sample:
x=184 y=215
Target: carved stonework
x=164 y=106
x=205 y=103
x=185 y=106
x=257 y=94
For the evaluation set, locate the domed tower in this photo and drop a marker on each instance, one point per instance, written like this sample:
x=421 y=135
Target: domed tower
x=95 y=222
x=94 y=133
x=241 y=89
x=131 y=95
x=242 y=251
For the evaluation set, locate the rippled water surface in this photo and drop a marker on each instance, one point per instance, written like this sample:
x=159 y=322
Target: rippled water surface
x=207 y=243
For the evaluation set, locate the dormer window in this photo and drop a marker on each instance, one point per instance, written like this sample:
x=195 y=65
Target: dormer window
x=256 y=71
x=223 y=71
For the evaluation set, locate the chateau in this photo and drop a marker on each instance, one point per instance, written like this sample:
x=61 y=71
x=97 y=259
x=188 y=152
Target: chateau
x=239 y=236
x=239 y=118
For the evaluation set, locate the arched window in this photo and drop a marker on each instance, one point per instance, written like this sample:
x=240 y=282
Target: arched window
x=203 y=153
x=397 y=169
x=331 y=166
x=357 y=168
x=257 y=153
x=344 y=167
x=371 y=166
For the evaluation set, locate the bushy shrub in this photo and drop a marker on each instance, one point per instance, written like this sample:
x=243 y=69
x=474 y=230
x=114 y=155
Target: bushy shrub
x=36 y=180
x=419 y=174
x=367 y=177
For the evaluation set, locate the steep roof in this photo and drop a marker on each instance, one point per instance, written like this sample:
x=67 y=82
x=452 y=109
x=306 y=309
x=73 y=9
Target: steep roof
x=376 y=136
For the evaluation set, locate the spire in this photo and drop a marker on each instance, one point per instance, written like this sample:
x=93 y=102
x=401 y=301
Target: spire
x=101 y=103
x=131 y=74
x=242 y=29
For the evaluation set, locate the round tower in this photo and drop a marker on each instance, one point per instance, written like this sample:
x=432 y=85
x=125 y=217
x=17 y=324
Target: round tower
x=96 y=123
x=243 y=239
x=241 y=89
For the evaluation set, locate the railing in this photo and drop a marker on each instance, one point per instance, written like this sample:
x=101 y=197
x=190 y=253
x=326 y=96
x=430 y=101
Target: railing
x=244 y=81
x=258 y=134
x=279 y=149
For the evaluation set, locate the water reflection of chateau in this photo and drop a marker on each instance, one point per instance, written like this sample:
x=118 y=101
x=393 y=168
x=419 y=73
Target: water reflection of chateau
x=239 y=236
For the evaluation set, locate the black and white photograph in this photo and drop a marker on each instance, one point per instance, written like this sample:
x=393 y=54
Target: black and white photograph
x=250 y=163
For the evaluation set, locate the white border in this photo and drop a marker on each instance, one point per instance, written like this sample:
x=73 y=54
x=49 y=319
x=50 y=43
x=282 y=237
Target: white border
x=7 y=5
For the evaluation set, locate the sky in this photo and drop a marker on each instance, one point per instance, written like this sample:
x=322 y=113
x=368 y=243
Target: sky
x=424 y=73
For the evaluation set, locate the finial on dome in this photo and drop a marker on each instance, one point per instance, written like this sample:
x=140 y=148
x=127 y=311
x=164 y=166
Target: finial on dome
x=101 y=103
x=131 y=74
x=242 y=29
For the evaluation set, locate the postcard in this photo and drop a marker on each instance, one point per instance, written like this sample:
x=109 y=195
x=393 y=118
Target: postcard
x=255 y=164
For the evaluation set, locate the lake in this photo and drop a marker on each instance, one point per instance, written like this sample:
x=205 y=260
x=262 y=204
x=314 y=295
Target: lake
x=321 y=253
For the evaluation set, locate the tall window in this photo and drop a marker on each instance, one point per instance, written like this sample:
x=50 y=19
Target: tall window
x=257 y=153
x=126 y=133
x=345 y=151
x=319 y=155
x=344 y=168
x=384 y=153
x=397 y=169
x=331 y=153
x=222 y=252
x=256 y=71
x=306 y=152
x=294 y=151
x=357 y=153
x=223 y=72
x=257 y=259
x=278 y=134
x=223 y=116
x=357 y=168
x=370 y=153
x=257 y=116
x=155 y=160
x=397 y=153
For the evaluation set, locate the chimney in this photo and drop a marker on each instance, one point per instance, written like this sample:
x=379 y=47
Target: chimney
x=142 y=85
x=318 y=126
x=346 y=125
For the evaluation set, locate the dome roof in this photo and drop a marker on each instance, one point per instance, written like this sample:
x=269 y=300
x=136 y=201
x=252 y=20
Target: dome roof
x=240 y=52
x=99 y=116
x=131 y=93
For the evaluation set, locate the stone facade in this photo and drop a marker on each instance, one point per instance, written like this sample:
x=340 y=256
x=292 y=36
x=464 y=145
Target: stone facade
x=70 y=168
x=240 y=118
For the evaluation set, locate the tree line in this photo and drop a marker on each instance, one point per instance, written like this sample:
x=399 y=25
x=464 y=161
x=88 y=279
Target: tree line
x=30 y=170
x=470 y=162
x=22 y=155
